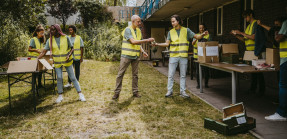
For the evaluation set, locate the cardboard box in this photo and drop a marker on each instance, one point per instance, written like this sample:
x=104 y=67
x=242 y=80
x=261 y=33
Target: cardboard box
x=28 y=66
x=229 y=49
x=249 y=56
x=230 y=58
x=225 y=129
x=234 y=115
x=273 y=57
x=47 y=58
x=258 y=62
x=208 y=52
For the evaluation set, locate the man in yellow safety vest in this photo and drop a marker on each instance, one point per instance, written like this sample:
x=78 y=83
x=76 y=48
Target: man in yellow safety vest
x=178 y=39
x=248 y=37
x=131 y=49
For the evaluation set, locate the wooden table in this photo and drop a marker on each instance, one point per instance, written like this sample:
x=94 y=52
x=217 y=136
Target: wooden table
x=234 y=70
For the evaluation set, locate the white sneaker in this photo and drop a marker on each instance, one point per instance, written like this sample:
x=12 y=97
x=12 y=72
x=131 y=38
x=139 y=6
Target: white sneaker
x=184 y=95
x=168 y=94
x=59 y=99
x=275 y=117
x=68 y=85
x=81 y=97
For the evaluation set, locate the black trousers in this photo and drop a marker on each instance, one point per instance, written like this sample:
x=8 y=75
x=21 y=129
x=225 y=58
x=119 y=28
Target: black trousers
x=77 y=65
x=205 y=74
x=257 y=79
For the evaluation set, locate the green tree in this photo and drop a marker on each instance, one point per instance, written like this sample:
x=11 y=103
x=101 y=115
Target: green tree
x=93 y=12
x=17 y=17
x=61 y=9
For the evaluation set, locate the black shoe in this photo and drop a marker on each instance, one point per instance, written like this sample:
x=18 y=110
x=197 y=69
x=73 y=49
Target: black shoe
x=40 y=86
x=137 y=95
x=116 y=96
x=206 y=86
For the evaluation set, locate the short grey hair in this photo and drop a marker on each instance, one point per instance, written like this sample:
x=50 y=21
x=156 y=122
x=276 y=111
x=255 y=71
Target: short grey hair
x=134 y=17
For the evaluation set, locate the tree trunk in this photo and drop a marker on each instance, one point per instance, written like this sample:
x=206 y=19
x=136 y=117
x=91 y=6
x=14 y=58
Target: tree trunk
x=115 y=2
x=64 y=24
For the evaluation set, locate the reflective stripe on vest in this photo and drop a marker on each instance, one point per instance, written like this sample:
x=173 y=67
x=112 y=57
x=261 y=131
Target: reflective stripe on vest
x=128 y=48
x=283 y=49
x=39 y=46
x=77 y=47
x=179 y=44
x=59 y=55
x=195 y=46
x=250 y=44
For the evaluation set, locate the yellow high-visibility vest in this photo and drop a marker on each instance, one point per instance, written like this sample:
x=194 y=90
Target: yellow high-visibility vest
x=250 y=44
x=195 y=55
x=59 y=55
x=283 y=49
x=179 y=44
x=128 y=48
x=77 y=47
x=39 y=46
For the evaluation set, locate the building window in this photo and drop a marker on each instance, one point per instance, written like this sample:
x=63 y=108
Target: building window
x=219 y=20
x=200 y=20
x=248 y=4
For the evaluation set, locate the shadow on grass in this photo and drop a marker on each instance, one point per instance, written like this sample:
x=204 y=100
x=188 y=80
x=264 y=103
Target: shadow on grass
x=25 y=104
x=114 y=107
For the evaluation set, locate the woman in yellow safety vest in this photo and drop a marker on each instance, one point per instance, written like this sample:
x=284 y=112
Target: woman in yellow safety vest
x=78 y=44
x=61 y=49
x=178 y=39
x=206 y=38
x=36 y=46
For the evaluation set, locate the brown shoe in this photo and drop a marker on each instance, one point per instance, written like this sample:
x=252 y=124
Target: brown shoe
x=116 y=96
x=137 y=95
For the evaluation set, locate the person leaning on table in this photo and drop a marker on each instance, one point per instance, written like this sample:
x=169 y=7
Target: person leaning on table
x=62 y=49
x=249 y=38
x=178 y=39
x=206 y=38
x=281 y=112
x=36 y=46
x=131 y=48
x=78 y=44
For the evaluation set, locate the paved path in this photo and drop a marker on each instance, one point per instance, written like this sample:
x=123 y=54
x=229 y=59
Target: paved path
x=219 y=95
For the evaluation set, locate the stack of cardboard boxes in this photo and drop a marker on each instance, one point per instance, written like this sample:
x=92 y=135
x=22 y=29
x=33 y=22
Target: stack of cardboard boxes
x=230 y=53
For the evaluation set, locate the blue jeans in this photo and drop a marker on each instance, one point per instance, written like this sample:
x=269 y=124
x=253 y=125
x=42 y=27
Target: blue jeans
x=173 y=62
x=282 y=109
x=70 y=71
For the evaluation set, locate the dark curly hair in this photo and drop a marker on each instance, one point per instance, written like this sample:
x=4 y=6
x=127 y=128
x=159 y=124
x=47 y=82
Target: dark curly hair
x=74 y=28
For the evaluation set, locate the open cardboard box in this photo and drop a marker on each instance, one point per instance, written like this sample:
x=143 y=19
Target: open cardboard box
x=234 y=115
x=28 y=66
x=47 y=58
x=208 y=52
x=225 y=129
x=234 y=121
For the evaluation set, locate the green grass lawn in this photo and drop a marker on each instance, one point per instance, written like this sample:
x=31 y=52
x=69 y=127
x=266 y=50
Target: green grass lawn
x=151 y=116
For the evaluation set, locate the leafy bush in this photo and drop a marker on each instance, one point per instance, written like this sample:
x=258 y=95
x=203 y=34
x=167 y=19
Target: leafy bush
x=103 y=41
x=13 y=42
